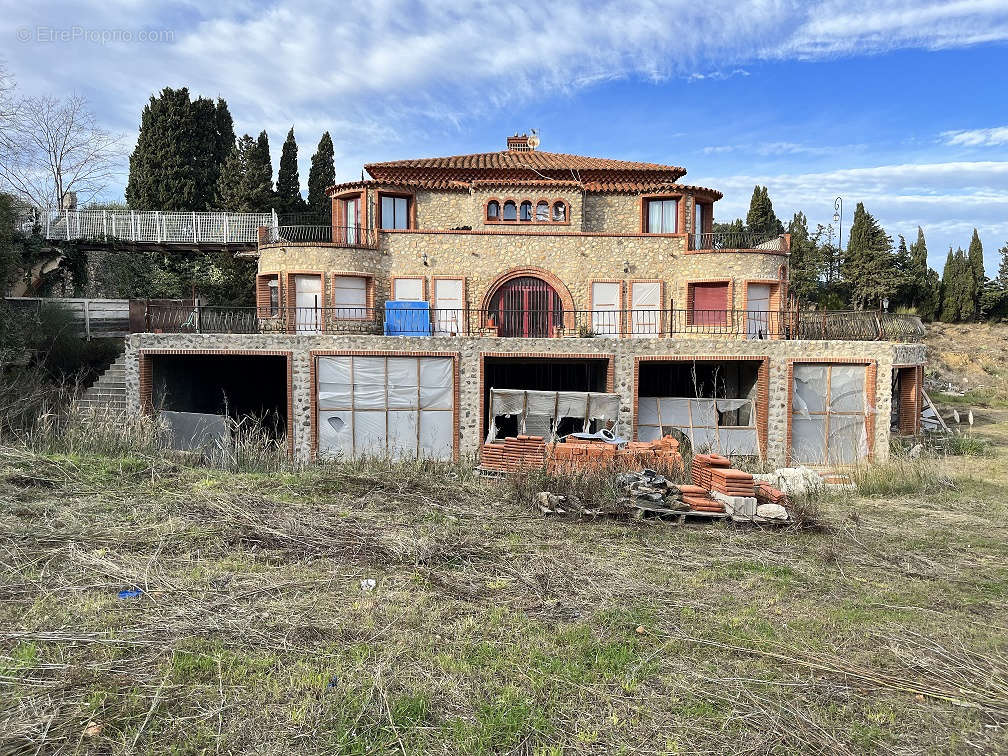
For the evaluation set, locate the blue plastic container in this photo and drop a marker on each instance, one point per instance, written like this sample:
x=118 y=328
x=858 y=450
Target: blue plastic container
x=403 y=318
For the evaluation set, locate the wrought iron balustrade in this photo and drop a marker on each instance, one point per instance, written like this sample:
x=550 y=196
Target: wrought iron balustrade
x=547 y=323
x=768 y=241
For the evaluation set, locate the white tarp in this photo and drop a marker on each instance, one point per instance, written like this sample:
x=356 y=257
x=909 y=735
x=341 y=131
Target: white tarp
x=378 y=405
x=539 y=412
x=700 y=420
x=605 y=298
x=828 y=414
x=645 y=303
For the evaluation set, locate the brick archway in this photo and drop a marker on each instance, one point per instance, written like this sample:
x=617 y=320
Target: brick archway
x=566 y=300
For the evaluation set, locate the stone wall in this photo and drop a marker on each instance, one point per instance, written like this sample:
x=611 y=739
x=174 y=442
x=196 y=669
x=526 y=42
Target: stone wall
x=574 y=258
x=779 y=353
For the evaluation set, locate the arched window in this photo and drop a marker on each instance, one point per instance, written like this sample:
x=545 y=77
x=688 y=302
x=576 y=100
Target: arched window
x=493 y=210
x=559 y=212
x=510 y=212
x=526 y=211
x=542 y=212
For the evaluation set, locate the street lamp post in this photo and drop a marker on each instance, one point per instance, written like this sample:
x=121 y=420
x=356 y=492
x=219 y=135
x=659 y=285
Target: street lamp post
x=838 y=219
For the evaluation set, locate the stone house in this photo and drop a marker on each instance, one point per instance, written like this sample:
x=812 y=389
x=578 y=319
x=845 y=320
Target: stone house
x=458 y=300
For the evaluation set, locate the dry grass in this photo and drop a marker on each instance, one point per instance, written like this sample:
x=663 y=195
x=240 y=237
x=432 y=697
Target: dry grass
x=490 y=627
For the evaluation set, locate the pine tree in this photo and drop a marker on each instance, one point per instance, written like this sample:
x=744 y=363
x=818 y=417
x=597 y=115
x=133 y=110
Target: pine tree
x=761 y=217
x=321 y=175
x=869 y=267
x=179 y=152
x=1002 y=276
x=976 y=265
x=288 y=186
x=996 y=299
x=243 y=186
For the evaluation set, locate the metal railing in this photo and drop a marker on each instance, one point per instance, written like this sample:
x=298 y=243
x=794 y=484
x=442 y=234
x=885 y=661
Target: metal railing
x=738 y=324
x=154 y=226
x=341 y=236
x=92 y=318
x=769 y=241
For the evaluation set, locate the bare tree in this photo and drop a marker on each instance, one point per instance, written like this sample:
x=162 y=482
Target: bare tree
x=6 y=115
x=55 y=146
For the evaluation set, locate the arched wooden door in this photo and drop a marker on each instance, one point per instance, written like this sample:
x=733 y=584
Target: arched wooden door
x=526 y=306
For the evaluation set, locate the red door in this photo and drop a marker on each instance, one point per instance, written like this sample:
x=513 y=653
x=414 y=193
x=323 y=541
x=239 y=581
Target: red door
x=526 y=306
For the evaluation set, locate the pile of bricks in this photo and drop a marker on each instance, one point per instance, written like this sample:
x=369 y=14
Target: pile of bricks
x=767 y=494
x=699 y=500
x=579 y=454
x=731 y=482
x=700 y=470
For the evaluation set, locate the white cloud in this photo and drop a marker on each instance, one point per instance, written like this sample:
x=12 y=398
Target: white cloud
x=947 y=199
x=977 y=137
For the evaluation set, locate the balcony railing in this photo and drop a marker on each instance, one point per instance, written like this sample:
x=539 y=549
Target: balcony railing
x=738 y=324
x=766 y=241
x=340 y=236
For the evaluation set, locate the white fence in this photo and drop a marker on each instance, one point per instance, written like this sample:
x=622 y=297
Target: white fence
x=154 y=226
x=95 y=317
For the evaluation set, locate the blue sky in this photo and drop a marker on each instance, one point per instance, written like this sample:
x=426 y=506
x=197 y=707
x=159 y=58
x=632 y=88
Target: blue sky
x=898 y=104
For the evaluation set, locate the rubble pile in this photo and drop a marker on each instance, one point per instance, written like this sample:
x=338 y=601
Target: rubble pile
x=579 y=454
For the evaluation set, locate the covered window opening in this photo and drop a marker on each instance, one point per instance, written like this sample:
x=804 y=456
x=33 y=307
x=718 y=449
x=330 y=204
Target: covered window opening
x=543 y=375
x=559 y=212
x=350 y=212
x=542 y=212
x=197 y=393
x=708 y=302
x=350 y=297
x=525 y=211
x=526 y=306
x=493 y=210
x=510 y=211
x=829 y=411
x=712 y=403
x=378 y=405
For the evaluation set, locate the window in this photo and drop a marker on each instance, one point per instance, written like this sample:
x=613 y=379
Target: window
x=394 y=212
x=449 y=306
x=493 y=210
x=386 y=406
x=645 y=308
x=274 y=296
x=350 y=297
x=510 y=212
x=308 y=312
x=559 y=212
x=708 y=303
x=526 y=211
x=662 y=216
x=350 y=230
x=727 y=426
x=605 y=302
x=542 y=212
x=828 y=413
x=408 y=290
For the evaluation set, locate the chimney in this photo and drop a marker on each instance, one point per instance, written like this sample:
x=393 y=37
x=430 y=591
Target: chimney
x=519 y=143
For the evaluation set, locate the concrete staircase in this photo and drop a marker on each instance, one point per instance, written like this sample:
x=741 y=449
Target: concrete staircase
x=109 y=391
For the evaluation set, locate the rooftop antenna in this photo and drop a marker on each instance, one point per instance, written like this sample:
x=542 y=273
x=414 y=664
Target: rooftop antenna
x=533 y=140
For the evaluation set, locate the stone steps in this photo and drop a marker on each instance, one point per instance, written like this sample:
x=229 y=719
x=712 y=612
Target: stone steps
x=109 y=391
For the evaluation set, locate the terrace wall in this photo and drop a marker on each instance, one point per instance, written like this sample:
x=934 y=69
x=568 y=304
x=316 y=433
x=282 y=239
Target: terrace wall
x=623 y=351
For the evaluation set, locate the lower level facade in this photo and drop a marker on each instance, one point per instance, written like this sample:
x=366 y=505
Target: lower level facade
x=820 y=402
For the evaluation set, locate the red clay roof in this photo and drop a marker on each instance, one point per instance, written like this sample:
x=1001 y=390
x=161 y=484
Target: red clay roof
x=532 y=159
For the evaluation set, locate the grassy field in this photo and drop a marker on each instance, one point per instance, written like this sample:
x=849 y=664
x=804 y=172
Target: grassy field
x=882 y=628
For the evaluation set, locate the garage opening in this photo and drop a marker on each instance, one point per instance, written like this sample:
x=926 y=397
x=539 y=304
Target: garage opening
x=712 y=403
x=540 y=374
x=196 y=392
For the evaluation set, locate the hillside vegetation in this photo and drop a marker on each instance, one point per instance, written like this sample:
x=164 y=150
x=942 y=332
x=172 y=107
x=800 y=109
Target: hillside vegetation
x=971 y=358
x=416 y=608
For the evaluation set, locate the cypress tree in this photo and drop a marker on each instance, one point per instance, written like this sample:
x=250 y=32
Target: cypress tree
x=261 y=174
x=243 y=185
x=976 y=266
x=924 y=282
x=949 y=300
x=321 y=175
x=180 y=148
x=288 y=186
x=761 y=216
x=869 y=267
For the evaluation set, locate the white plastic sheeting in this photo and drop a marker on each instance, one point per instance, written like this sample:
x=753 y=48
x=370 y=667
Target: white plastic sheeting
x=539 y=412
x=701 y=421
x=645 y=303
x=828 y=413
x=378 y=405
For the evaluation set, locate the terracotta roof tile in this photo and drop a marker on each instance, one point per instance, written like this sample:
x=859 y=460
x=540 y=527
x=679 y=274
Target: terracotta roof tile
x=533 y=159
